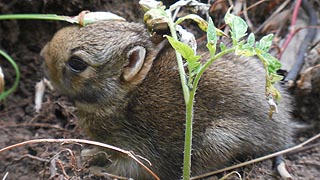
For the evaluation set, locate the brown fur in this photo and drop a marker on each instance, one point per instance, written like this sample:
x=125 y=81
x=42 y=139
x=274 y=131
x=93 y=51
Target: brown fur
x=146 y=115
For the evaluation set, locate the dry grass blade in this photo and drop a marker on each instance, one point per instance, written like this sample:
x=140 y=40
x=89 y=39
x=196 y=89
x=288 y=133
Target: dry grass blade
x=231 y=174
x=5 y=176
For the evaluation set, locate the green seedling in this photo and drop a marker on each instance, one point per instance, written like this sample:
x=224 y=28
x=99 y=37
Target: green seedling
x=240 y=46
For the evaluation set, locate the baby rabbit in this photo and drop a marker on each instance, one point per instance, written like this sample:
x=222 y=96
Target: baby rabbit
x=128 y=94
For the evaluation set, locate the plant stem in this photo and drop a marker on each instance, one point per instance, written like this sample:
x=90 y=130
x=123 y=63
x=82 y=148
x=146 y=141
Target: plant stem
x=188 y=137
x=32 y=16
x=188 y=98
x=16 y=82
x=182 y=73
x=189 y=95
x=207 y=64
x=189 y=116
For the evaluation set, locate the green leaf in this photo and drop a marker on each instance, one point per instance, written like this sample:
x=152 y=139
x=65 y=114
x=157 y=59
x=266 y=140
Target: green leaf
x=273 y=78
x=223 y=47
x=238 y=26
x=211 y=33
x=203 y=25
x=273 y=63
x=185 y=50
x=187 y=53
x=265 y=43
x=248 y=51
x=221 y=33
x=251 y=40
x=271 y=90
x=211 y=38
x=201 y=22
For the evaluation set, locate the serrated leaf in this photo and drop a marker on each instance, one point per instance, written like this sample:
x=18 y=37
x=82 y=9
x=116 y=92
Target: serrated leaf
x=238 y=26
x=228 y=18
x=201 y=22
x=265 y=43
x=221 y=33
x=185 y=50
x=203 y=25
x=194 y=65
x=188 y=54
x=211 y=37
x=273 y=78
x=273 y=63
x=246 y=49
x=249 y=51
x=277 y=95
x=211 y=33
x=251 y=39
x=274 y=92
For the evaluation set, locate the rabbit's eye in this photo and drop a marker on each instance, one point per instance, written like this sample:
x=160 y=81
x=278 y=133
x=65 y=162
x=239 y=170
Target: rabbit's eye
x=76 y=64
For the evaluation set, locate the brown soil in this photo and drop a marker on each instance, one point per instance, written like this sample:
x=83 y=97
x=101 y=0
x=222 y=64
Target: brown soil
x=23 y=40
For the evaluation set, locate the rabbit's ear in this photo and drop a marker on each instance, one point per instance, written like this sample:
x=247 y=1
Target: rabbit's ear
x=140 y=60
x=136 y=58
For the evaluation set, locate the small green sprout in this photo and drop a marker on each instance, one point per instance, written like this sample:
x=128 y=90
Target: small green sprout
x=240 y=46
